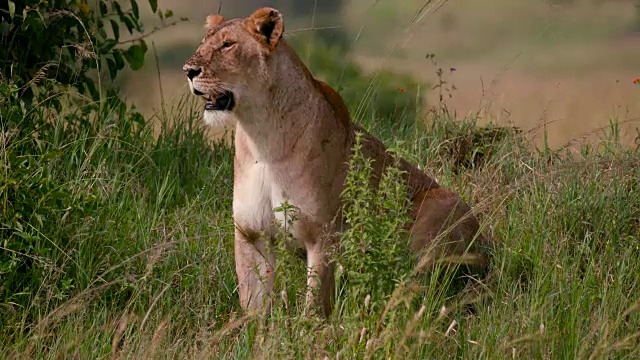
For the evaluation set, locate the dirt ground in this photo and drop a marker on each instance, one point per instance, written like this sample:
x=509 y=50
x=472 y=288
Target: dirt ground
x=576 y=79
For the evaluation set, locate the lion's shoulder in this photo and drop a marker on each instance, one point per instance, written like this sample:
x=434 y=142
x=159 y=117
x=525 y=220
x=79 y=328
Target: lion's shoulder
x=336 y=103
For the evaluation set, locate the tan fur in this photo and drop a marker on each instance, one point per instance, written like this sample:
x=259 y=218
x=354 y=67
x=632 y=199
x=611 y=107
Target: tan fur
x=293 y=139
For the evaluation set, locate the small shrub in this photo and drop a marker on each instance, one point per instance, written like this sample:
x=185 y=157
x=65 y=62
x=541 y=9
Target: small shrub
x=463 y=144
x=373 y=252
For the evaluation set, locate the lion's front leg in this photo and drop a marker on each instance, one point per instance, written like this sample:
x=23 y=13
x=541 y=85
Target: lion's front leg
x=320 y=280
x=253 y=218
x=318 y=238
x=255 y=267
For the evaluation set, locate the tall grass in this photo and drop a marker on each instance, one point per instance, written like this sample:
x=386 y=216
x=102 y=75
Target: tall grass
x=142 y=266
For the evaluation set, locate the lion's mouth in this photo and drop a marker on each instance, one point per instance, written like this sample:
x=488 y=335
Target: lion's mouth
x=224 y=102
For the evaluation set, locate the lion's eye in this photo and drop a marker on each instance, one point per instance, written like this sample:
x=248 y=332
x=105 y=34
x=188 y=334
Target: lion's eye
x=227 y=44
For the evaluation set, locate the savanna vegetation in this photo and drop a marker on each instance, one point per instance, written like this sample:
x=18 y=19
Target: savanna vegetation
x=116 y=230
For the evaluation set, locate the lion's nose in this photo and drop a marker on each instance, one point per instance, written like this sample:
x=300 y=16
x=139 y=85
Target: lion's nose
x=191 y=71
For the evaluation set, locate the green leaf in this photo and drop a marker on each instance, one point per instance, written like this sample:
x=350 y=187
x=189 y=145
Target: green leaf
x=108 y=45
x=135 y=56
x=168 y=14
x=116 y=6
x=134 y=8
x=103 y=8
x=154 y=5
x=117 y=57
x=91 y=87
x=116 y=29
x=89 y=63
x=101 y=32
x=113 y=70
x=137 y=24
x=12 y=8
x=128 y=23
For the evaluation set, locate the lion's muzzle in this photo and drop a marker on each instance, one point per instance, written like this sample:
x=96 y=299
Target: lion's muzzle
x=224 y=101
x=191 y=71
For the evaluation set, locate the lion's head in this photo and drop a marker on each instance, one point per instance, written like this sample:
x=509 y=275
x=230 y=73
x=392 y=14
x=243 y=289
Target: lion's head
x=232 y=60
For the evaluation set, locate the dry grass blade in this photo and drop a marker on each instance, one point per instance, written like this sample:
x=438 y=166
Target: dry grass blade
x=602 y=347
x=40 y=75
x=231 y=326
x=76 y=303
x=157 y=340
x=118 y=335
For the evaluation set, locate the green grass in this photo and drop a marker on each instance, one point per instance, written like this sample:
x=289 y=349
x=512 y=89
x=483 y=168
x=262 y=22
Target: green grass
x=142 y=262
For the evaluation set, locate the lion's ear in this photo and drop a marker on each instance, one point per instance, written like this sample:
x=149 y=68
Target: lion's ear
x=213 y=20
x=267 y=24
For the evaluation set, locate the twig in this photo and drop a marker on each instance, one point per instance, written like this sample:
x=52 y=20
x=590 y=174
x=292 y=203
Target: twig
x=315 y=28
x=155 y=53
x=153 y=31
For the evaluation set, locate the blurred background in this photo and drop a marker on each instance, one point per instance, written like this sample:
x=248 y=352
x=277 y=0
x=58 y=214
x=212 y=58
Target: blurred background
x=565 y=65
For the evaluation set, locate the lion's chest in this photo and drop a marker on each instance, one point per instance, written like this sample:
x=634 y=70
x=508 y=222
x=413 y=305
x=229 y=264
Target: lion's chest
x=263 y=193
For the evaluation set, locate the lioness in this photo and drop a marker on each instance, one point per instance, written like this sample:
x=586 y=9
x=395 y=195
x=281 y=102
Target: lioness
x=293 y=138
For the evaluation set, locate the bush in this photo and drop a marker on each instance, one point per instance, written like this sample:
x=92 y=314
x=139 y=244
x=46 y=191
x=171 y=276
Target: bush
x=78 y=209
x=374 y=250
x=69 y=41
x=60 y=119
